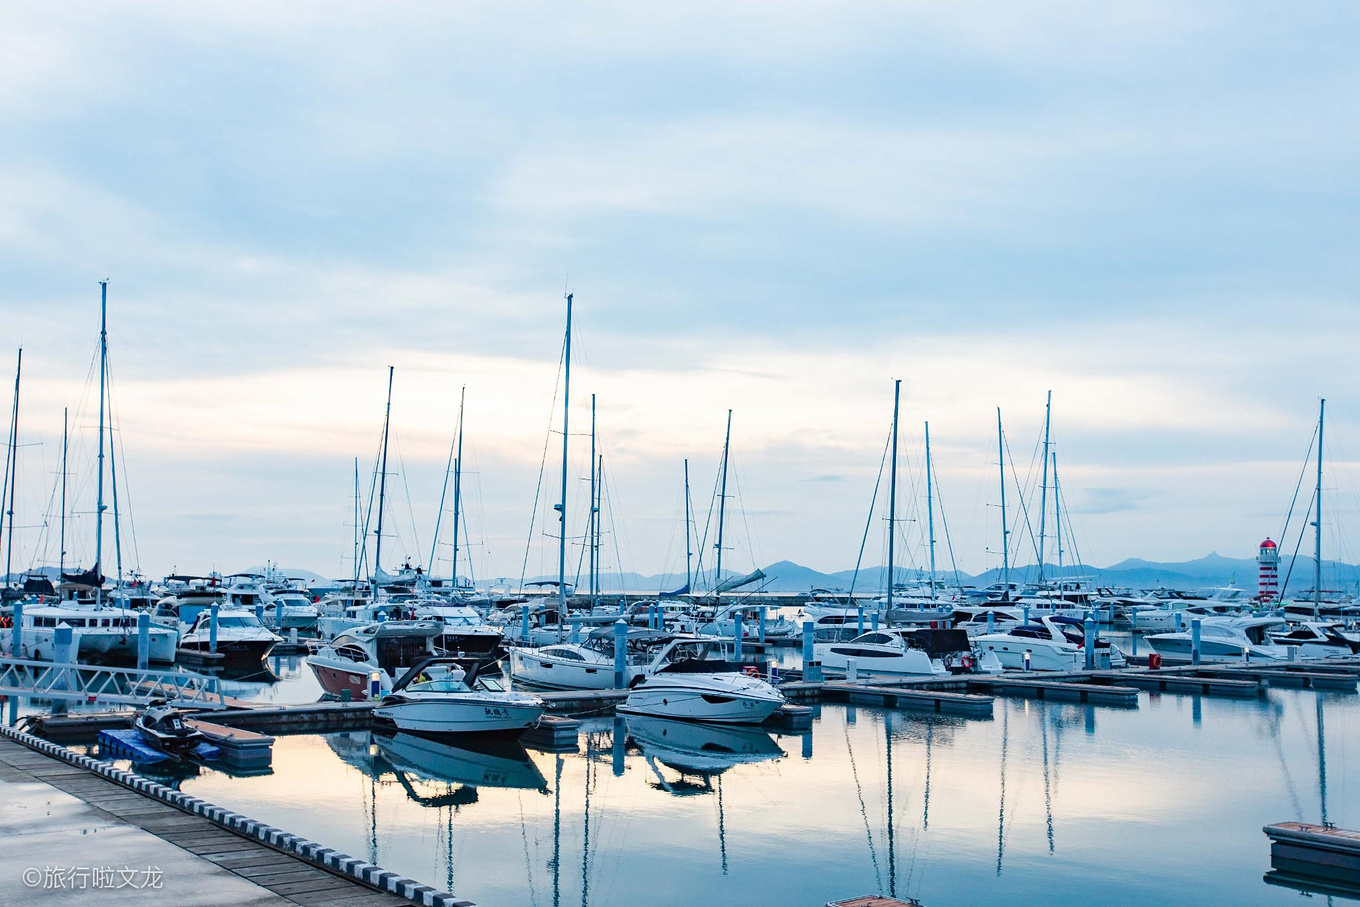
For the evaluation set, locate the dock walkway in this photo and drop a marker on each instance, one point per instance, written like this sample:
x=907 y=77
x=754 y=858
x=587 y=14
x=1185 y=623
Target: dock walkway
x=63 y=816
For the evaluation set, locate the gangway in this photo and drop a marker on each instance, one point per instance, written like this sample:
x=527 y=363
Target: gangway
x=114 y=686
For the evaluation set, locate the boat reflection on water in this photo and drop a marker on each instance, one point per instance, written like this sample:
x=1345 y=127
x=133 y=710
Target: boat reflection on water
x=469 y=762
x=699 y=752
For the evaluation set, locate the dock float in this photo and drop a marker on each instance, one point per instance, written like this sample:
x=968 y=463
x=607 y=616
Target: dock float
x=1177 y=682
x=1030 y=687
x=1316 y=851
x=128 y=744
x=969 y=705
x=1341 y=681
x=211 y=842
x=239 y=748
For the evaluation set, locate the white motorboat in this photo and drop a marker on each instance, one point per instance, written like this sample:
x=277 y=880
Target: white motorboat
x=906 y=653
x=1048 y=649
x=973 y=619
x=1317 y=640
x=1227 y=639
x=97 y=634
x=464 y=633
x=378 y=652
x=588 y=665
x=241 y=638
x=698 y=688
x=437 y=696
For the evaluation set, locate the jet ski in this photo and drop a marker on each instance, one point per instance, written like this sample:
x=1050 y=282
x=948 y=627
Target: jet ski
x=163 y=727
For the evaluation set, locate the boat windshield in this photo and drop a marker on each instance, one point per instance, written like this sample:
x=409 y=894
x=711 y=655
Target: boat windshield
x=240 y=623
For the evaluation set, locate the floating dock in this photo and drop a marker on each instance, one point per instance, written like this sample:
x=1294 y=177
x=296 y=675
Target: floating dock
x=1315 y=851
x=128 y=744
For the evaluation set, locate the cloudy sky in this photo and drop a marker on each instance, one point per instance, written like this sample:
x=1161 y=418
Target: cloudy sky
x=773 y=208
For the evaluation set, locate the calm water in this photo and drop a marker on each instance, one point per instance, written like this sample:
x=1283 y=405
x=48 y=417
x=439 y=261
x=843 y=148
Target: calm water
x=1044 y=804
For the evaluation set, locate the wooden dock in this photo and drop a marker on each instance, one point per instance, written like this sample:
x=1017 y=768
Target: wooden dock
x=944 y=702
x=1317 y=851
x=279 y=868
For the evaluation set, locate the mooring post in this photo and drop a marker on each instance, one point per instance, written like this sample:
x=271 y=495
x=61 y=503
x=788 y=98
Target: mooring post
x=620 y=653
x=63 y=643
x=736 y=634
x=859 y=620
x=991 y=621
x=143 y=640
x=524 y=622
x=761 y=635
x=259 y=616
x=1089 y=626
x=873 y=620
x=1180 y=622
x=812 y=669
x=1195 y=625
x=576 y=629
x=16 y=636
x=851 y=669
x=212 y=626
x=278 y=614
x=1026 y=614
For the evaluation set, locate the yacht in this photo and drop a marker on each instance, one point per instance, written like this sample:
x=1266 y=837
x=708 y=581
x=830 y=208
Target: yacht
x=1176 y=615
x=241 y=638
x=299 y=612
x=973 y=619
x=437 y=696
x=906 y=653
x=1227 y=639
x=465 y=633
x=377 y=652
x=1317 y=640
x=589 y=665
x=97 y=634
x=1047 y=647
x=695 y=687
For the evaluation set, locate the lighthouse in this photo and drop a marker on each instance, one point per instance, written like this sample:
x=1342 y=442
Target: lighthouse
x=1268 y=560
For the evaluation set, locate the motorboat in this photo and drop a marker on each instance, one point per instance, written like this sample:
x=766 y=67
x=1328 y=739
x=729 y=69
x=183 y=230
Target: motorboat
x=241 y=638
x=1044 y=644
x=439 y=696
x=97 y=634
x=292 y=609
x=1107 y=655
x=696 y=687
x=890 y=651
x=373 y=653
x=163 y=727
x=1227 y=639
x=1317 y=640
x=588 y=665
x=989 y=618
x=1175 y=615
x=464 y=631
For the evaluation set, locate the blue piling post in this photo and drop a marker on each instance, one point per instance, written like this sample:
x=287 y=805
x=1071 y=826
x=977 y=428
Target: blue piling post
x=278 y=614
x=1026 y=613
x=1089 y=628
x=63 y=641
x=873 y=620
x=859 y=620
x=620 y=651
x=16 y=636
x=143 y=640
x=761 y=634
x=1180 y=621
x=212 y=626
x=1133 y=629
x=259 y=616
x=656 y=617
x=576 y=629
x=991 y=621
x=812 y=669
x=1195 y=626
x=736 y=635
x=524 y=622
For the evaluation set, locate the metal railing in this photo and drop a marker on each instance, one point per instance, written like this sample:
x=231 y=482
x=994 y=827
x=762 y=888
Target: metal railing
x=95 y=684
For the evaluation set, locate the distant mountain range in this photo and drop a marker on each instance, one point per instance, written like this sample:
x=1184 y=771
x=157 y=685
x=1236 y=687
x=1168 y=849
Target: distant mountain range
x=786 y=576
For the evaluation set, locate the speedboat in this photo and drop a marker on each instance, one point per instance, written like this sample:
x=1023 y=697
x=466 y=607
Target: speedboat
x=973 y=619
x=378 y=652
x=1107 y=654
x=892 y=651
x=241 y=638
x=163 y=727
x=438 y=696
x=1045 y=645
x=1226 y=639
x=464 y=633
x=1315 y=640
x=698 y=688
x=296 y=608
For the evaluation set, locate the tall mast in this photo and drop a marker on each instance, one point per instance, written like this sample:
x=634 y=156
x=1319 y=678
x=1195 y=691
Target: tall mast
x=930 y=511
x=689 y=552
x=1057 y=514
x=599 y=502
x=457 y=486
x=113 y=485
x=358 y=534
x=1005 y=530
x=1043 y=494
x=382 y=483
x=562 y=506
x=892 y=503
x=13 y=473
x=1317 y=527
x=722 y=511
x=61 y=555
x=99 y=483
x=591 y=524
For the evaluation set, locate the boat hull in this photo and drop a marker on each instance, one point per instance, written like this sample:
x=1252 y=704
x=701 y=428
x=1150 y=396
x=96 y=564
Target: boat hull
x=1011 y=654
x=458 y=713
x=664 y=700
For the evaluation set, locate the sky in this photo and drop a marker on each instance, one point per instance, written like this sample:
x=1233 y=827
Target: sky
x=1148 y=209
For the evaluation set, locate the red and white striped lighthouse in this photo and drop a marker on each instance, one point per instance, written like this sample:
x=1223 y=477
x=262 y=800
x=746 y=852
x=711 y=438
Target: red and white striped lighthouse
x=1268 y=560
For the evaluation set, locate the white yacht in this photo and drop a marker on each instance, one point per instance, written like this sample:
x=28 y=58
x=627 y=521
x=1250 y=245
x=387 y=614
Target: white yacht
x=906 y=653
x=692 y=686
x=241 y=638
x=589 y=665
x=106 y=633
x=299 y=612
x=1317 y=640
x=465 y=632
x=375 y=652
x=1048 y=649
x=437 y=696
x=1227 y=639
x=973 y=619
